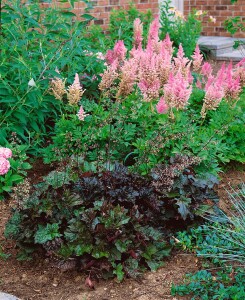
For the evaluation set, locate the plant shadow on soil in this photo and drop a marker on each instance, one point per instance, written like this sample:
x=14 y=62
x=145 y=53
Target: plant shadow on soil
x=40 y=279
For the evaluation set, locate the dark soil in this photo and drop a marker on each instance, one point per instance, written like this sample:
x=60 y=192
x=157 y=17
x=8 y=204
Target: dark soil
x=39 y=279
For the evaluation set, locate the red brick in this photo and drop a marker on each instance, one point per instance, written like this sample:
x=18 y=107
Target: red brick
x=220 y=9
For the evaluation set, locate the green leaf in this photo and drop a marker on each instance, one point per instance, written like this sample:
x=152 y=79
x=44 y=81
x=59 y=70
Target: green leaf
x=68 y=14
x=154 y=265
x=81 y=249
x=7 y=188
x=122 y=246
x=87 y=17
x=183 y=207
x=99 y=254
x=119 y=272
x=16 y=178
x=26 y=166
x=48 y=233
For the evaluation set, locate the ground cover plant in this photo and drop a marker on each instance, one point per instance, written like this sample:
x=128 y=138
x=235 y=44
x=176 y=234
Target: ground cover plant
x=222 y=243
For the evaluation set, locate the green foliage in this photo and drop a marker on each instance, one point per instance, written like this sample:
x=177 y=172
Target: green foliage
x=115 y=221
x=218 y=242
x=225 y=284
x=3 y=255
x=121 y=24
x=132 y=132
x=181 y=31
x=229 y=144
x=120 y=28
x=47 y=233
x=17 y=171
x=35 y=43
x=223 y=243
x=235 y=24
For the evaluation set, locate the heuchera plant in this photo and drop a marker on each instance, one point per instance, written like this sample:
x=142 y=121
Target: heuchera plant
x=110 y=222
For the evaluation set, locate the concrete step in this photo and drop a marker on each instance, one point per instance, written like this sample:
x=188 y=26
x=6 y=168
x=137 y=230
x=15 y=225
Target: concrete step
x=235 y=55
x=221 y=48
x=217 y=45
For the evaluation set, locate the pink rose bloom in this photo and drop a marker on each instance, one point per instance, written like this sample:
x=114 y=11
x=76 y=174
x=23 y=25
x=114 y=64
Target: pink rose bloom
x=4 y=166
x=5 y=152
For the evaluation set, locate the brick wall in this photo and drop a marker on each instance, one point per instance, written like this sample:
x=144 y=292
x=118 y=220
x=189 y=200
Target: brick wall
x=219 y=9
x=102 y=8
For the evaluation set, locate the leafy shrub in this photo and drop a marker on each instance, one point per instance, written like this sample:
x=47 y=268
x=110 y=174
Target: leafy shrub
x=120 y=28
x=181 y=31
x=112 y=221
x=37 y=41
x=121 y=24
x=236 y=25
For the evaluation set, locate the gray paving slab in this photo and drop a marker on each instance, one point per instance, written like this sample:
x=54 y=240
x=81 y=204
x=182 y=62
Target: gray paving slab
x=236 y=55
x=4 y=296
x=221 y=48
x=217 y=42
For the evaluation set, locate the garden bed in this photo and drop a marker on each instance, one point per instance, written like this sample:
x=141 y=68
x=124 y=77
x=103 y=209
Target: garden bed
x=41 y=279
x=127 y=134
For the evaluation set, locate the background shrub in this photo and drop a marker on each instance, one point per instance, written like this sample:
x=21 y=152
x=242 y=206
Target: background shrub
x=36 y=42
x=181 y=31
x=120 y=28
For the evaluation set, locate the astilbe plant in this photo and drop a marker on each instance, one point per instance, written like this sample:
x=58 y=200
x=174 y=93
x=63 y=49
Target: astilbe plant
x=156 y=73
x=152 y=106
x=74 y=93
